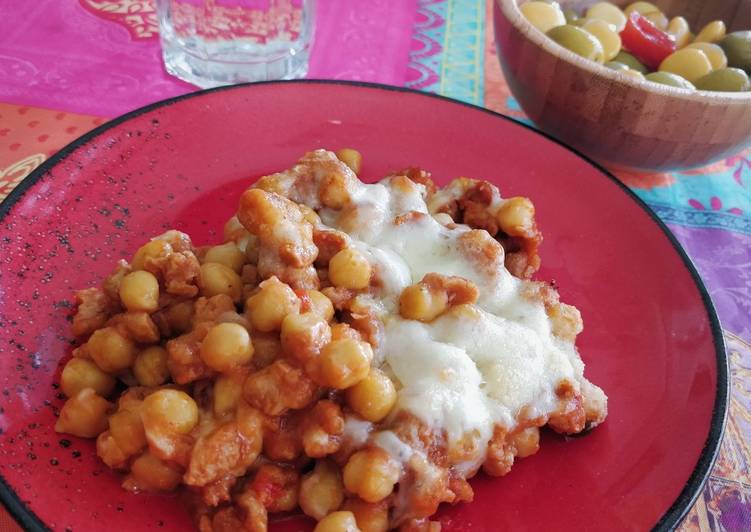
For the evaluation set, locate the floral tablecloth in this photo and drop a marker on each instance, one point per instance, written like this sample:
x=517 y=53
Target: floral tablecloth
x=69 y=65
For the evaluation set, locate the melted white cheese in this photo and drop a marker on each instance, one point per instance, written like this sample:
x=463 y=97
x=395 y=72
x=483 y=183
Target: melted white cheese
x=440 y=383
x=466 y=371
x=389 y=442
x=356 y=430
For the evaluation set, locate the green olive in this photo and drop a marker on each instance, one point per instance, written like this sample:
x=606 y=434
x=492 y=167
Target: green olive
x=725 y=80
x=579 y=41
x=615 y=65
x=572 y=17
x=630 y=61
x=668 y=78
x=737 y=47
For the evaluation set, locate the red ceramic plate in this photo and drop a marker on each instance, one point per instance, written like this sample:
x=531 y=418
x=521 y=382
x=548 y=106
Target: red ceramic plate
x=651 y=338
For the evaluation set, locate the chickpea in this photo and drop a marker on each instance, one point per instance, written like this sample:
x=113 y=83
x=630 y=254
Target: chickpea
x=109 y=452
x=132 y=398
x=433 y=295
x=371 y=474
x=337 y=522
x=340 y=331
x=565 y=321
x=150 y=367
x=321 y=305
x=333 y=192
x=344 y=363
x=321 y=490
x=177 y=239
x=139 y=292
x=309 y=214
x=370 y=517
x=170 y=411
x=527 y=442
x=443 y=218
x=228 y=254
x=227 y=392
x=80 y=373
x=218 y=279
x=151 y=473
x=234 y=230
x=110 y=350
x=150 y=251
x=226 y=346
x=351 y=158
x=349 y=269
x=84 y=415
x=268 y=307
x=373 y=397
x=303 y=335
x=127 y=430
x=419 y=302
x=516 y=216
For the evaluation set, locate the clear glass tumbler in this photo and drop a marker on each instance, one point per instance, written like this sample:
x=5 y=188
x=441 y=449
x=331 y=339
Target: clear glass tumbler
x=220 y=42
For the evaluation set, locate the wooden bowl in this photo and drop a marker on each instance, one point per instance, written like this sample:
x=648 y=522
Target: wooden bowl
x=615 y=119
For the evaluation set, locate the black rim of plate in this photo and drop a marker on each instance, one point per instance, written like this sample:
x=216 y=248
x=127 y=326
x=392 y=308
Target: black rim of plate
x=691 y=490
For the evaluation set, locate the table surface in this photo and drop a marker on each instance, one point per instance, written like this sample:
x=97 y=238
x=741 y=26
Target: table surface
x=69 y=65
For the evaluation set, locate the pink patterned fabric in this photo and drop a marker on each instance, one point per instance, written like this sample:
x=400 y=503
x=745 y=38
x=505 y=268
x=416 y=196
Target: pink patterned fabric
x=363 y=40
x=101 y=58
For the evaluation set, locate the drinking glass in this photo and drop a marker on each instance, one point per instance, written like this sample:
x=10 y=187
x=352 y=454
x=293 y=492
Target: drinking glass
x=220 y=42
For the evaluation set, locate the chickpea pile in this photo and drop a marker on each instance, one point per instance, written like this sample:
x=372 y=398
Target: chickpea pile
x=643 y=43
x=232 y=371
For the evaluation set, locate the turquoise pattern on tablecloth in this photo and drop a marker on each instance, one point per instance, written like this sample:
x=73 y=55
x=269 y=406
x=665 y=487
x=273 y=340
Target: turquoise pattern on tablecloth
x=720 y=197
x=426 y=53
